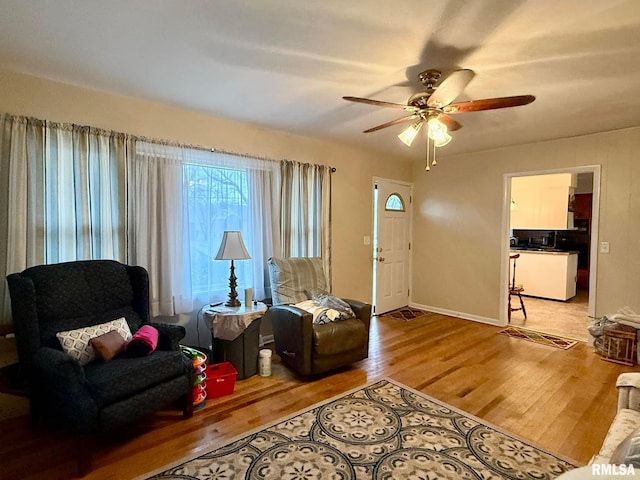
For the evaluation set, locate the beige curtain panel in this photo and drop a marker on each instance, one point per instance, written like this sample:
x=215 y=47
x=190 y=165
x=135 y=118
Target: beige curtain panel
x=63 y=186
x=305 y=203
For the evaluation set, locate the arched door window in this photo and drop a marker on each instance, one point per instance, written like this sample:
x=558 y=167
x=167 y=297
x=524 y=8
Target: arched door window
x=394 y=203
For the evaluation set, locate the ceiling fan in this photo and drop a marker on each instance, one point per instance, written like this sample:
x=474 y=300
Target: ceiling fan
x=434 y=107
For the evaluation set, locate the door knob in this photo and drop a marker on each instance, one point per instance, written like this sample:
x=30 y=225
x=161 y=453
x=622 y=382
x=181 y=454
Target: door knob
x=381 y=259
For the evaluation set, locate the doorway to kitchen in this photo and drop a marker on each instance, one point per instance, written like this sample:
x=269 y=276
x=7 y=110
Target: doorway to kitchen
x=552 y=219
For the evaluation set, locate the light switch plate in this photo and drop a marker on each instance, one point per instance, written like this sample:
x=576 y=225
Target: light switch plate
x=367 y=240
x=604 y=247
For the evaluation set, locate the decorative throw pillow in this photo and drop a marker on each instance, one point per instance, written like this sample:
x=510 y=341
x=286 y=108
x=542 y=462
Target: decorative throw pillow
x=143 y=342
x=77 y=343
x=292 y=277
x=108 y=345
x=628 y=452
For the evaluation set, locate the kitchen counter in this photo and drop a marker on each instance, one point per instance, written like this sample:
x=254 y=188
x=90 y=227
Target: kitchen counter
x=551 y=251
x=547 y=273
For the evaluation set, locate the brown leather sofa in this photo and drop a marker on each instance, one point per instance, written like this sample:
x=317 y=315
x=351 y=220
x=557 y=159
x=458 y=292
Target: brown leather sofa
x=305 y=347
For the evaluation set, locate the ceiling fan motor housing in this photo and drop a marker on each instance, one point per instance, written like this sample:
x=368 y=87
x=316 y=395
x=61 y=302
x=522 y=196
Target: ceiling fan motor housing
x=419 y=99
x=430 y=77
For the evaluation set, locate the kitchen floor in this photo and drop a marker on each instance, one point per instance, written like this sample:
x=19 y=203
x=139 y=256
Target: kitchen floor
x=566 y=319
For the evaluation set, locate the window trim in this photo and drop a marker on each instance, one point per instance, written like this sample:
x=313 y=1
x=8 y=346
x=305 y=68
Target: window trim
x=392 y=196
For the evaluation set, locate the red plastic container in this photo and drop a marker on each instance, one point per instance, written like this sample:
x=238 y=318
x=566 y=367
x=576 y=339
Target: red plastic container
x=221 y=379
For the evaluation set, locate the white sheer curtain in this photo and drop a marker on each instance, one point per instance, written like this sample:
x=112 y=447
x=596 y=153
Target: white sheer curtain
x=64 y=190
x=157 y=217
x=305 y=203
x=264 y=187
x=185 y=198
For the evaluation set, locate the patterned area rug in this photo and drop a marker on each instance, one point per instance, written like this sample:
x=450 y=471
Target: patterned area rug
x=406 y=313
x=381 y=431
x=538 y=337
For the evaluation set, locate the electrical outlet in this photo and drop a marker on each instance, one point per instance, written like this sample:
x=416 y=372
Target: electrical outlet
x=604 y=247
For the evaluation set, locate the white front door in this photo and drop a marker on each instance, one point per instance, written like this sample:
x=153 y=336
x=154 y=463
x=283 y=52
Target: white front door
x=392 y=229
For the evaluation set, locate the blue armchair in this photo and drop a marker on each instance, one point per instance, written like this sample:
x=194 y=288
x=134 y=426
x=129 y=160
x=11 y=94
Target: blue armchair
x=98 y=396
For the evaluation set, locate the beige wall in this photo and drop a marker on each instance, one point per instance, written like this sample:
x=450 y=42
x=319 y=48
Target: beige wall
x=26 y=95
x=458 y=221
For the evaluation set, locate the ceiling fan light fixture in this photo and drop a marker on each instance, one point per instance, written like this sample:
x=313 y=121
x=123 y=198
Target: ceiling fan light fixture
x=409 y=134
x=436 y=127
x=438 y=132
x=442 y=140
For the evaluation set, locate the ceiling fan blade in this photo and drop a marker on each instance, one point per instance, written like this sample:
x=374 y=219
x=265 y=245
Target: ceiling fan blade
x=450 y=88
x=392 y=122
x=380 y=103
x=452 y=125
x=489 y=104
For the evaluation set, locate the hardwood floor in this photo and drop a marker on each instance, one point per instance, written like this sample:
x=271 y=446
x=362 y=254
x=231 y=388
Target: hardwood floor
x=568 y=319
x=561 y=400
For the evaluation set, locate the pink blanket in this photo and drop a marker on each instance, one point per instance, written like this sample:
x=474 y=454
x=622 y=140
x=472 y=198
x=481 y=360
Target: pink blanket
x=143 y=342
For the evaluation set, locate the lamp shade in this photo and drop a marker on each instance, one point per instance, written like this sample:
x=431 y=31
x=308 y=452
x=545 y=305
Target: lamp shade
x=232 y=247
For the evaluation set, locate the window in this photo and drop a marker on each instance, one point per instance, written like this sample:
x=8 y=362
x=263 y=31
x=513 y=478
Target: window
x=217 y=200
x=394 y=203
x=183 y=200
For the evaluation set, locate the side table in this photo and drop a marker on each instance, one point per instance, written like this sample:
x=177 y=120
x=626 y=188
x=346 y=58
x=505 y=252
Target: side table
x=235 y=335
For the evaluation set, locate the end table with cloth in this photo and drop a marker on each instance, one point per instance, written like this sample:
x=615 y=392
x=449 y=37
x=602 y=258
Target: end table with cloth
x=235 y=335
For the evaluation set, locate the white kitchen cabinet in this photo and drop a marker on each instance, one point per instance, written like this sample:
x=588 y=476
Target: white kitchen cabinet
x=541 y=202
x=547 y=274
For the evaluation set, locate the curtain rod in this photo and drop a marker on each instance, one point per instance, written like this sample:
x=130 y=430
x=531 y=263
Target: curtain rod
x=217 y=150
x=155 y=140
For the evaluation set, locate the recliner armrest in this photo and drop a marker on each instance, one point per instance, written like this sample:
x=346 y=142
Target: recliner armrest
x=169 y=335
x=57 y=364
x=59 y=381
x=293 y=335
x=293 y=317
x=361 y=309
x=629 y=391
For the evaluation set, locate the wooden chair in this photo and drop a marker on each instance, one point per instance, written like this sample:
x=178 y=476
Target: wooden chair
x=515 y=289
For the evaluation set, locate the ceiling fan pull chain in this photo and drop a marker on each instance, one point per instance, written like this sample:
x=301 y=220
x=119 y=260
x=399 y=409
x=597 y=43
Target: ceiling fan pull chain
x=433 y=162
x=427 y=167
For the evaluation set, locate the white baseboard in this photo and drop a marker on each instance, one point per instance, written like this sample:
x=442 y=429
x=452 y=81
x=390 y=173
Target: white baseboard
x=463 y=315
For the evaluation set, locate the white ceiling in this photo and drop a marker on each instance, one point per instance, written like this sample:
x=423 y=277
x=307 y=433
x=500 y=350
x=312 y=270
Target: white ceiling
x=286 y=64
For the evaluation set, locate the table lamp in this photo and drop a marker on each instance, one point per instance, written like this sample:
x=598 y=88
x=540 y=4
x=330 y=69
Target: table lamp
x=232 y=248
